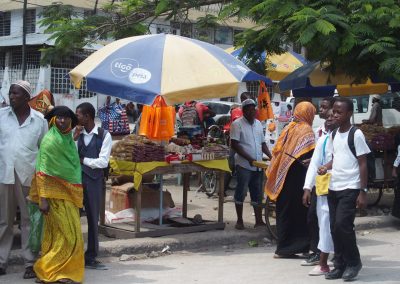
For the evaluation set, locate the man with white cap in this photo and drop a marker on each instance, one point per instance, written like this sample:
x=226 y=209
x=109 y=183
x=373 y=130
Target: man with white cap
x=247 y=140
x=21 y=131
x=376 y=112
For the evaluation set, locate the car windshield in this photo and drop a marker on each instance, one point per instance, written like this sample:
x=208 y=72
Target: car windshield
x=218 y=108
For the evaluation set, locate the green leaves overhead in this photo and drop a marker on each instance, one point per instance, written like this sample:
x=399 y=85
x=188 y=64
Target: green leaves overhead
x=361 y=37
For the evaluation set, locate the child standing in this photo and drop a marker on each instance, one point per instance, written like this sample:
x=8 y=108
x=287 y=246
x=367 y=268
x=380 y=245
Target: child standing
x=348 y=190
x=320 y=157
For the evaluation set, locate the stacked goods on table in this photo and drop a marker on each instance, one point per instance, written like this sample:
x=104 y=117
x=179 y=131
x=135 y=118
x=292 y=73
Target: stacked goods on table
x=215 y=151
x=379 y=137
x=138 y=149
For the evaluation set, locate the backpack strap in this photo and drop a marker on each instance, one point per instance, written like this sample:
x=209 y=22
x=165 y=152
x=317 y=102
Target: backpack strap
x=350 y=141
x=334 y=133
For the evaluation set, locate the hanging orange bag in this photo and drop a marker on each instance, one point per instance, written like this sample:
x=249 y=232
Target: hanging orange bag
x=158 y=120
x=264 y=103
x=164 y=120
x=146 y=121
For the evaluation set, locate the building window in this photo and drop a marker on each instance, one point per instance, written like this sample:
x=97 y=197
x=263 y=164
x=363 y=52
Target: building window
x=2 y=60
x=32 y=58
x=186 y=29
x=235 y=33
x=167 y=29
x=5 y=23
x=223 y=35
x=61 y=84
x=206 y=35
x=30 y=21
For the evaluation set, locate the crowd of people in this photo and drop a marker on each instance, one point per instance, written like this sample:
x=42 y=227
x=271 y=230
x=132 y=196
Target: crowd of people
x=58 y=162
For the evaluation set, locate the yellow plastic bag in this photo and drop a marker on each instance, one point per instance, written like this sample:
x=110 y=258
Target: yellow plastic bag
x=322 y=184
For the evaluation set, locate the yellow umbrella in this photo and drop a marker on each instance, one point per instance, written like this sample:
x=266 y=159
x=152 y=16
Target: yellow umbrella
x=278 y=66
x=313 y=80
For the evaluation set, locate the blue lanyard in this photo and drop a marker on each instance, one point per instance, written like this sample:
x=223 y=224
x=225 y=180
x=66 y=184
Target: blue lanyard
x=323 y=150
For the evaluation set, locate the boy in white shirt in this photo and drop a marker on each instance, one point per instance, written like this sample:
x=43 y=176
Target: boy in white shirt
x=348 y=190
x=320 y=157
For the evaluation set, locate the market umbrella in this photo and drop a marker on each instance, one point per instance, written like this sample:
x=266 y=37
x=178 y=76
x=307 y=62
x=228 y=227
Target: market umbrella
x=178 y=68
x=281 y=65
x=315 y=80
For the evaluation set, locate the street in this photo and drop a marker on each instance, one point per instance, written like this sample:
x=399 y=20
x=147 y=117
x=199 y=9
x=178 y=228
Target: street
x=379 y=252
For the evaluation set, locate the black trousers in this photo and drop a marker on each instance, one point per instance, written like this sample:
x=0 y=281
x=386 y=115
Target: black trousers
x=92 y=192
x=342 y=210
x=312 y=223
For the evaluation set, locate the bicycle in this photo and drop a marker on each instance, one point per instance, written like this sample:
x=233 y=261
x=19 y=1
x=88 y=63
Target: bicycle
x=208 y=179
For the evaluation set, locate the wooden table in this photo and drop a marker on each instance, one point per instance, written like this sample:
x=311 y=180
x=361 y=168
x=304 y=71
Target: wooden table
x=126 y=230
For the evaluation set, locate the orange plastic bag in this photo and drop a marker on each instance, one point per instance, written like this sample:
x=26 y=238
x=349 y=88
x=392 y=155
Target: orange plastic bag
x=146 y=121
x=158 y=120
x=264 y=103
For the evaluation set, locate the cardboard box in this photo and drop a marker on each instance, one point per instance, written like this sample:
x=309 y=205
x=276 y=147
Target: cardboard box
x=124 y=196
x=119 y=197
x=151 y=198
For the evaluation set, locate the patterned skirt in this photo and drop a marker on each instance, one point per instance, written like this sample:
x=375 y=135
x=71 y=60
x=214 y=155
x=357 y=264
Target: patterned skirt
x=62 y=255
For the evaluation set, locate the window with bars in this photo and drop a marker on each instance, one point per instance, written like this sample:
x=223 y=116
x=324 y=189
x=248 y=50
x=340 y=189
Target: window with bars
x=30 y=17
x=223 y=35
x=73 y=60
x=2 y=60
x=32 y=58
x=61 y=84
x=5 y=23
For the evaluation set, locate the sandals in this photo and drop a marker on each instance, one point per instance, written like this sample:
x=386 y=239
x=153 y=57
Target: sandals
x=29 y=273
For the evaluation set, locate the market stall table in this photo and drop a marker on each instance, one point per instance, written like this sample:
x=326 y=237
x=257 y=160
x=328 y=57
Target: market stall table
x=137 y=171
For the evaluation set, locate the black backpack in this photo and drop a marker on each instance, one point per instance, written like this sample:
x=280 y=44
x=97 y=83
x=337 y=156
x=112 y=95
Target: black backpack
x=370 y=155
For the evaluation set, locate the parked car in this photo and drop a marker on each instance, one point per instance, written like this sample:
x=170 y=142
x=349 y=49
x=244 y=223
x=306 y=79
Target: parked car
x=221 y=109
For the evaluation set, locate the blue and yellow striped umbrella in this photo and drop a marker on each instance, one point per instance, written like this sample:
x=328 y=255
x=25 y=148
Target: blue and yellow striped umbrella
x=313 y=80
x=277 y=66
x=178 y=68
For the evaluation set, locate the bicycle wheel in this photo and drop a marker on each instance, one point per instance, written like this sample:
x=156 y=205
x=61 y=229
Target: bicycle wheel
x=270 y=217
x=209 y=182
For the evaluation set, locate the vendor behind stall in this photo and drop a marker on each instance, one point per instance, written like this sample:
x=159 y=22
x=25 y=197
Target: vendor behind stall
x=376 y=112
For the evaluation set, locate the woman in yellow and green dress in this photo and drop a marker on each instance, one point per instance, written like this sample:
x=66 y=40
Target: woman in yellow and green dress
x=57 y=188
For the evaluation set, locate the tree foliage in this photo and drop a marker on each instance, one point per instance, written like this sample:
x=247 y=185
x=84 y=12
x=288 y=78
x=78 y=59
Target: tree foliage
x=360 y=37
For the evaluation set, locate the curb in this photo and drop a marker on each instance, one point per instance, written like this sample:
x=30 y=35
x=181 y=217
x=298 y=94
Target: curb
x=209 y=239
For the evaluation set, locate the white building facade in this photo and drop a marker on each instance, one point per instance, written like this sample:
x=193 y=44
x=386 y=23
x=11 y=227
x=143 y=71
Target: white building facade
x=55 y=76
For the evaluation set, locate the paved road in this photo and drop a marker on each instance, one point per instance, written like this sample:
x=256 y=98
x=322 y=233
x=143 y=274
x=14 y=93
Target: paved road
x=379 y=249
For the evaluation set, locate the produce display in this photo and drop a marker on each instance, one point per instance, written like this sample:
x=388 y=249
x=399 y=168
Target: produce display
x=136 y=148
x=379 y=137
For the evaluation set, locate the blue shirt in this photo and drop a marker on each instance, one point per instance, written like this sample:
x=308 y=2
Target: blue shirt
x=251 y=138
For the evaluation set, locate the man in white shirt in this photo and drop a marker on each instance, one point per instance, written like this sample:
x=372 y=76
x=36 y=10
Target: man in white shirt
x=247 y=140
x=21 y=131
x=94 y=148
x=348 y=190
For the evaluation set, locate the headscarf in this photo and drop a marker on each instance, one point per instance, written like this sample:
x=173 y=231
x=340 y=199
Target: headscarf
x=62 y=111
x=58 y=170
x=296 y=139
